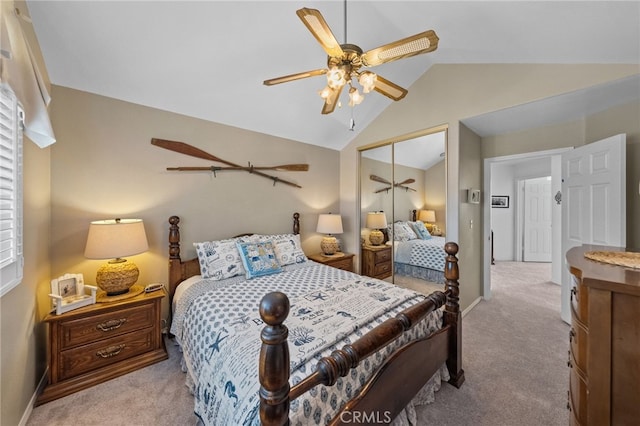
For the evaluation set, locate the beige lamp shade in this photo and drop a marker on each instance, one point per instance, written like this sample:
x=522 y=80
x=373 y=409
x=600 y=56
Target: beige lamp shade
x=376 y=221
x=329 y=224
x=115 y=239
x=428 y=217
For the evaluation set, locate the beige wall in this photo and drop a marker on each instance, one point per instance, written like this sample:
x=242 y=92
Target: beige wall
x=104 y=166
x=435 y=193
x=22 y=355
x=447 y=94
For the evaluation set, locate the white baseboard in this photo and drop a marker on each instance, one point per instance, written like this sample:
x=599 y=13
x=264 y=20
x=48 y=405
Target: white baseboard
x=471 y=306
x=32 y=401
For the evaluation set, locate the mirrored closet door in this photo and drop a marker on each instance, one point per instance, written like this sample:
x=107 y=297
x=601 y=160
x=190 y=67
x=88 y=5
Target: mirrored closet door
x=403 y=207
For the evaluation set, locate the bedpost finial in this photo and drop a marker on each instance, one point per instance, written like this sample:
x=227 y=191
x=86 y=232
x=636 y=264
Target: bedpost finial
x=274 y=308
x=451 y=248
x=174 y=220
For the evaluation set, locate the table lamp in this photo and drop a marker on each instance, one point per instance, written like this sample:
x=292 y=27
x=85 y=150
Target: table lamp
x=114 y=239
x=376 y=221
x=329 y=224
x=428 y=217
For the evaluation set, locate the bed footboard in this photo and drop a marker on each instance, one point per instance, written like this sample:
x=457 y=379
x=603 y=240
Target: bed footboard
x=402 y=376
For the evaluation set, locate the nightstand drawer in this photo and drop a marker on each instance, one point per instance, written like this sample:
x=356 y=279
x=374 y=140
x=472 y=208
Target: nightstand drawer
x=382 y=268
x=89 y=329
x=346 y=264
x=382 y=256
x=105 y=352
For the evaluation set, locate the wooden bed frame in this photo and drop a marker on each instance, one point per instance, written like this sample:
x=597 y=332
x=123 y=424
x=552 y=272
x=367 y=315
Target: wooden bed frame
x=390 y=389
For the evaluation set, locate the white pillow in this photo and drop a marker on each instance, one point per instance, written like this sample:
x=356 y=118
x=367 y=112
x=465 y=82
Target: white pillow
x=220 y=259
x=402 y=231
x=287 y=247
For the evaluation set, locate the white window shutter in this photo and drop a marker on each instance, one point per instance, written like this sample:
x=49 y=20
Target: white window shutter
x=11 y=256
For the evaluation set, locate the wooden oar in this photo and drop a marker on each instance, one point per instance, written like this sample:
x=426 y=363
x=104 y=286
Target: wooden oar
x=283 y=167
x=383 y=189
x=187 y=149
x=379 y=179
x=405 y=182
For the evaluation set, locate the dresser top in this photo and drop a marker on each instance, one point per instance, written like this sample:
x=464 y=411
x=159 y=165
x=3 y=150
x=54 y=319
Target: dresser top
x=601 y=275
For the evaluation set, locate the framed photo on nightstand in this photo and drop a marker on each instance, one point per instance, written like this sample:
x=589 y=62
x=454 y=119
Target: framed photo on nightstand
x=68 y=293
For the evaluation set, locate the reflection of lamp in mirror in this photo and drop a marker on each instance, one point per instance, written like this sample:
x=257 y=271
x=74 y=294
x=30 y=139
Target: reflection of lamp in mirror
x=114 y=239
x=429 y=219
x=376 y=221
x=329 y=224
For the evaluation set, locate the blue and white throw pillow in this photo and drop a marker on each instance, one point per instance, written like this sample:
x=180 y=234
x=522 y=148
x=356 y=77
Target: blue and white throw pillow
x=258 y=258
x=420 y=230
x=219 y=259
x=287 y=247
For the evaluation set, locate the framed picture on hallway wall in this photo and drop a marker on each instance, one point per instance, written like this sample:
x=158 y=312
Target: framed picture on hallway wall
x=500 y=201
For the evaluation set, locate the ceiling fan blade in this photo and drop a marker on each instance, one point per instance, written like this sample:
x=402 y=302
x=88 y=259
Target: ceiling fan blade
x=410 y=46
x=331 y=102
x=389 y=89
x=379 y=179
x=293 y=77
x=314 y=21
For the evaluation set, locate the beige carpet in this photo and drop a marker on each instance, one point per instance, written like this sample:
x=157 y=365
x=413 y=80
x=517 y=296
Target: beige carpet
x=514 y=357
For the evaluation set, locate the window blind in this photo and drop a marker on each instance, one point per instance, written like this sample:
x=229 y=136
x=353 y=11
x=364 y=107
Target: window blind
x=11 y=258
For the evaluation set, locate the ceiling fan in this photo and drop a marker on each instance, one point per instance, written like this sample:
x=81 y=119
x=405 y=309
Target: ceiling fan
x=346 y=60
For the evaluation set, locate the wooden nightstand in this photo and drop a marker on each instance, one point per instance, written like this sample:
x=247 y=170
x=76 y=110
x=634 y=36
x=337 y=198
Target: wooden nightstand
x=341 y=262
x=376 y=261
x=96 y=343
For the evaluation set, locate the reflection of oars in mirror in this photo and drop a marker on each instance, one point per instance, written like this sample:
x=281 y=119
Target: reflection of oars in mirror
x=379 y=179
x=405 y=182
x=187 y=149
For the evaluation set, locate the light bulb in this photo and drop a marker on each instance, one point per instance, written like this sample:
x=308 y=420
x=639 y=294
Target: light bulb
x=335 y=77
x=367 y=80
x=355 y=98
x=325 y=93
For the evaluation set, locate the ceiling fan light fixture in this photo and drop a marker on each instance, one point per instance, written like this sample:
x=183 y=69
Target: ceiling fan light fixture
x=367 y=80
x=336 y=77
x=325 y=93
x=355 y=98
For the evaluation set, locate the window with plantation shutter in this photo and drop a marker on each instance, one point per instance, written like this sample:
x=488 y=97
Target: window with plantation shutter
x=11 y=122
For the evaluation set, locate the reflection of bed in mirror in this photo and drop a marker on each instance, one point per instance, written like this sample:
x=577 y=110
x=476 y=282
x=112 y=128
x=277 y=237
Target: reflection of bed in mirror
x=417 y=253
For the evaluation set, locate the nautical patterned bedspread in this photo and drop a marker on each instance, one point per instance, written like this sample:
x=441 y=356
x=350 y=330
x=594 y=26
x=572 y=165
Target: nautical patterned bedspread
x=424 y=253
x=218 y=326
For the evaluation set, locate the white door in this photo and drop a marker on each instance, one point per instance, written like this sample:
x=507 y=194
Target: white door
x=593 y=200
x=537 y=220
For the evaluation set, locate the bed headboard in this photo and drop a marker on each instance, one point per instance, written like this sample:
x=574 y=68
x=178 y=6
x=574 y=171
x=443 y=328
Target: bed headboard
x=180 y=270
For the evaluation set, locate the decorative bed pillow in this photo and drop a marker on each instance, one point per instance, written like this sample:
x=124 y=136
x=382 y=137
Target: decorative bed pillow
x=420 y=230
x=219 y=259
x=287 y=247
x=258 y=258
x=402 y=231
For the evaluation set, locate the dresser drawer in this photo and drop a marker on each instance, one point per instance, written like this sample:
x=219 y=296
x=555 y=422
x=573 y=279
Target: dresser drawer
x=578 y=394
x=580 y=299
x=578 y=338
x=105 y=352
x=89 y=329
x=346 y=264
x=382 y=256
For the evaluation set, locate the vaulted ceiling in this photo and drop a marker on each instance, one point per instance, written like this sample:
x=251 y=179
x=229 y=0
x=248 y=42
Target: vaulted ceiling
x=208 y=59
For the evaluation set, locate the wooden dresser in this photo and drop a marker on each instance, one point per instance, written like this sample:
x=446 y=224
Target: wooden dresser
x=376 y=261
x=604 y=350
x=96 y=343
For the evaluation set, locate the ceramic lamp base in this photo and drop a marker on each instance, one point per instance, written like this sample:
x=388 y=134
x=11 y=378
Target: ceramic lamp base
x=329 y=245
x=376 y=237
x=117 y=277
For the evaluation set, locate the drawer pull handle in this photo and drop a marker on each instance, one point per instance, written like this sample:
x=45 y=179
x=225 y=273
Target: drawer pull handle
x=574 y=293
x=110 y=351
x=111 y=324
x=572 y=334
x=569 y=364
x=568 y=401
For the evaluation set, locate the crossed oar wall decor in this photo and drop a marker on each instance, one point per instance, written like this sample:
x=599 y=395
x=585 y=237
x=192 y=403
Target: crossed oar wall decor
x=402 y=184
x=187 y=149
